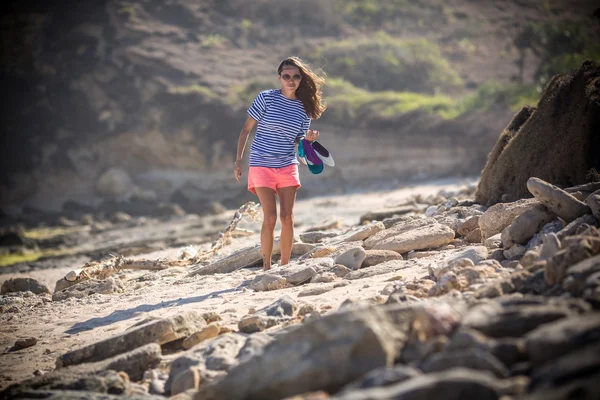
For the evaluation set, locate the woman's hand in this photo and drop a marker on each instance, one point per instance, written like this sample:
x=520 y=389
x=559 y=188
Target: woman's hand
x=312 y=135
x=237 y=171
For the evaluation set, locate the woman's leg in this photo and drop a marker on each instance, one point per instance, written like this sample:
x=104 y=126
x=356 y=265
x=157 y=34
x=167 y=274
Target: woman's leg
x=287 y=197
x=267 y=201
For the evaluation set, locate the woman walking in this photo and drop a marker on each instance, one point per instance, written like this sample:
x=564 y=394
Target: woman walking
x=283 y=117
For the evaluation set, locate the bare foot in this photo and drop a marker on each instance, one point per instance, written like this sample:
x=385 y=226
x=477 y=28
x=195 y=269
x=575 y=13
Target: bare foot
x=266 y=267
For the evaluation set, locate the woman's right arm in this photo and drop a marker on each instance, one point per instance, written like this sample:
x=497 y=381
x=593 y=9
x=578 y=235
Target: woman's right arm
x=248 y=126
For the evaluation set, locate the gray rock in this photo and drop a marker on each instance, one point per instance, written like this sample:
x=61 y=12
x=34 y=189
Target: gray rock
x=88 y=287
x=550 y=246
x=361 y=232
x=494 y=241
x=273 y=314
x=383 y=268
x=557 y=200
x=316 y=237
x=466 y=338
x=325 y=353
x=256 y=323
x=593 y=202
x=187 y=379
x=509 y=319
x=352 y=258
x=285 y=306
x=114 y=183
x=474 y=253
x=325 y=277
x=553 y=340
x=23 y=285
x=214 y=357
x=70 y=379
x=340 y=270
x=268 y=281
x=133 y=363
x=526 y=225
x=496 y=218
x=297 y=274
x=401 y=226
x=208 y=332
x=382 y=377
x=469 y=225
x=161 y=331
x=425 y=237
x=509 y=350
x=458 y=383
x=472 y=358
x=374 y=257
x=573 y=226
x=24 y=343
x=240 y=259
x=514 y=252
x=567 y=368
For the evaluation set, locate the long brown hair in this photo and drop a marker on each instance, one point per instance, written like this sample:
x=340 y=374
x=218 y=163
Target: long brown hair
x=310 y=89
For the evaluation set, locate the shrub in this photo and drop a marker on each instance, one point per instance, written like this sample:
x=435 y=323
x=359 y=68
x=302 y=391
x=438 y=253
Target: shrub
x=382 y=63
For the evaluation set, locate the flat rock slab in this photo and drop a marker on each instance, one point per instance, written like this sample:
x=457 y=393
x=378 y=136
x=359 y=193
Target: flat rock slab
x=557 y=200
x=161 y=331
x=70 y=379
x=425 y=237
x=21 y=284
x=374 y=257
x=397 y=228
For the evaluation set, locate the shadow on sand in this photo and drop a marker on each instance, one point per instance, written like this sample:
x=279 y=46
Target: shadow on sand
x=122 y=315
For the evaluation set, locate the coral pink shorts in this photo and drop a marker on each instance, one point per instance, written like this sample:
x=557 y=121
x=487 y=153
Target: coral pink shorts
x=273 y=178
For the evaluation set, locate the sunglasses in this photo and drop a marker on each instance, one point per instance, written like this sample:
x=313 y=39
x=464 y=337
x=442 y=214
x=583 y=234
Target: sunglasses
x=287 y=77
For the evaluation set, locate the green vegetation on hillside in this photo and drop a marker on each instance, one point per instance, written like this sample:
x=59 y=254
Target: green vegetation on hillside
x=561 y=47
x=382 y=62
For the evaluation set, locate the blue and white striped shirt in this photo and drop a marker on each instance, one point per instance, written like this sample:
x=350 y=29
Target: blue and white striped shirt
x=280 y=122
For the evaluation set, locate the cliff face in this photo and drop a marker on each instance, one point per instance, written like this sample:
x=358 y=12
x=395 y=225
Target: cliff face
x=157 y=89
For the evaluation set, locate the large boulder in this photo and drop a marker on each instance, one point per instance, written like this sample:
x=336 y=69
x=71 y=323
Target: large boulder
x=556 y=142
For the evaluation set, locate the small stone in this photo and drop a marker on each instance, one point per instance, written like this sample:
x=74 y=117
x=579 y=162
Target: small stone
x=211 y=317
x=469 y=225
x=256 y=323
x=340 y=270
x=474 y=236
x=14 y=285
x=188 y=379
x=268 y=281
x=324 y=277
x=526 y=225
x=516 y=251
x=352 y=258
x=306 y=309
x=494 y=242
x=374 y=257
x=208 y=332
x=24 y=343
